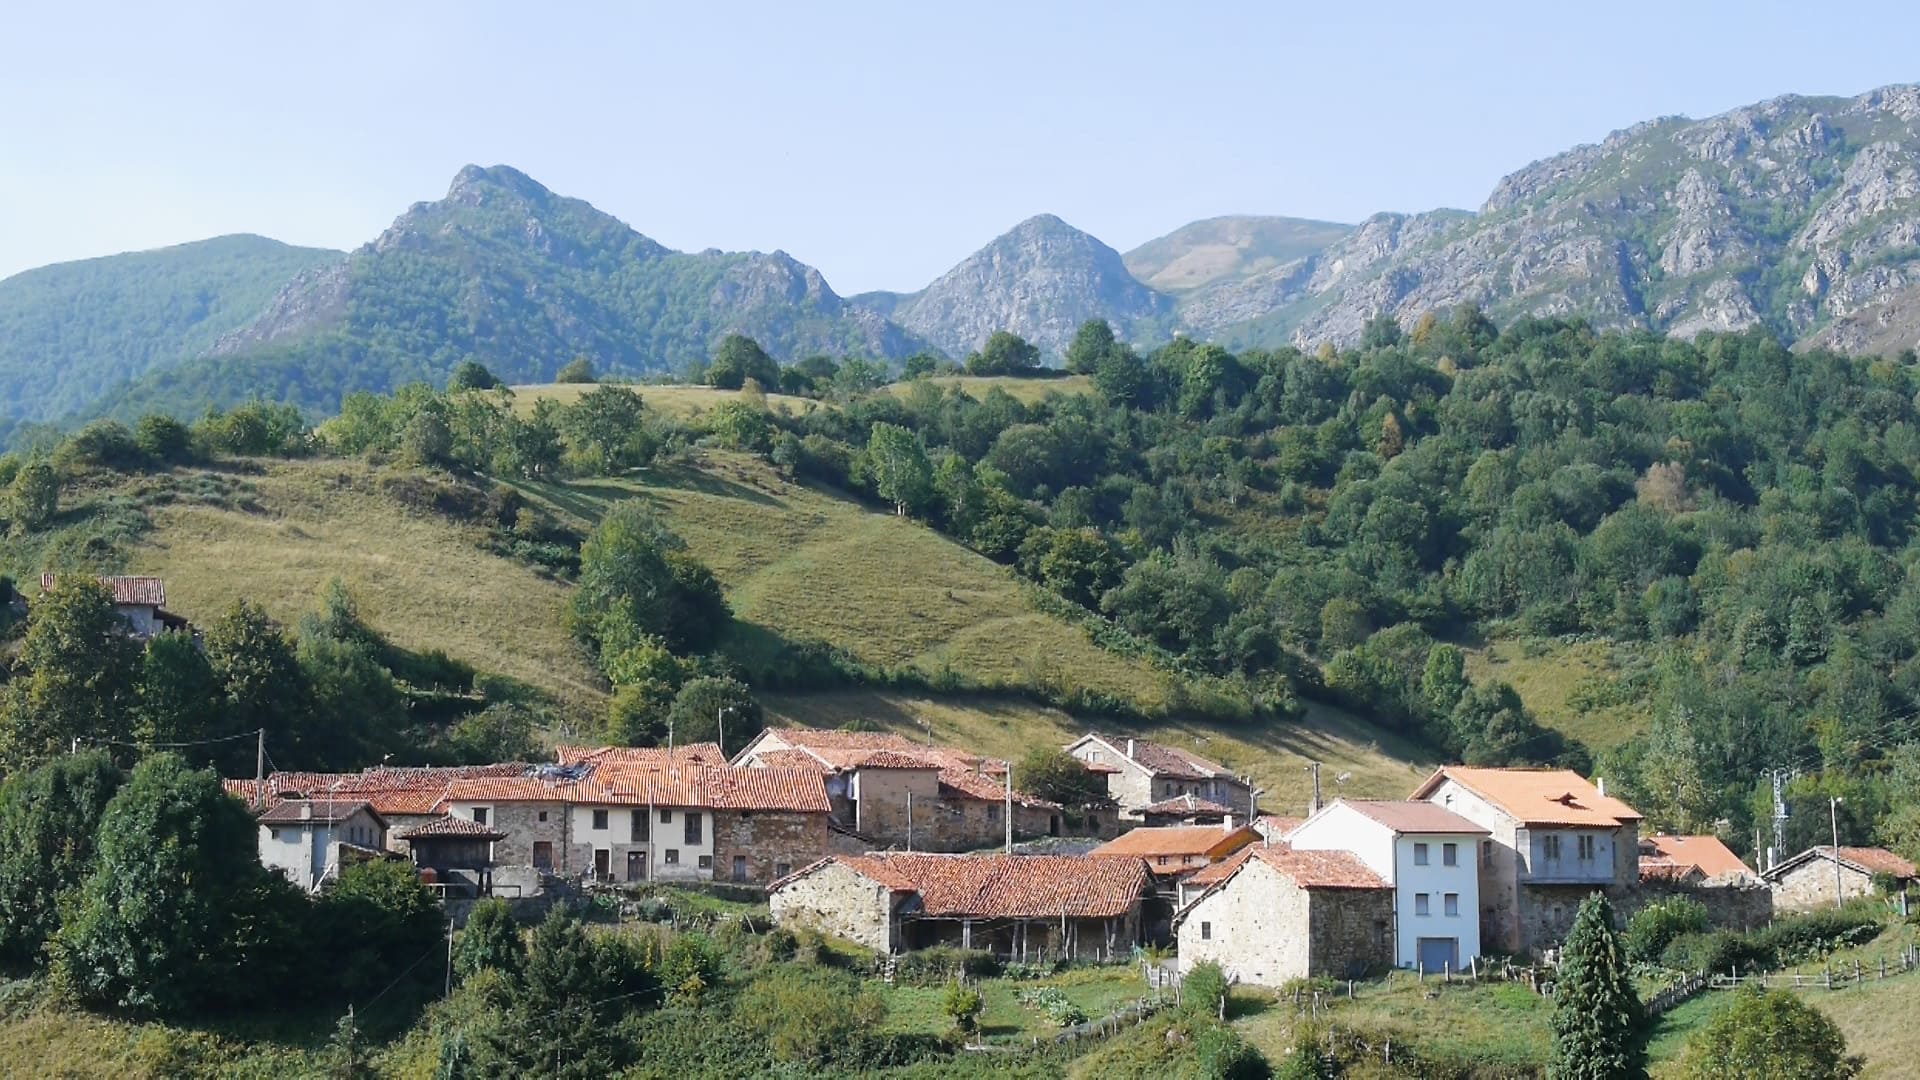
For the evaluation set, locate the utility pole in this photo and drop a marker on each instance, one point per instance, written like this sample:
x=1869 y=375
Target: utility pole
x=1833 y=812
x=449 y=992
x=1779 y=817
x=260 y=771
x=1009 y=807
x=909 y=821
x=1314 y=768
x=720 y=722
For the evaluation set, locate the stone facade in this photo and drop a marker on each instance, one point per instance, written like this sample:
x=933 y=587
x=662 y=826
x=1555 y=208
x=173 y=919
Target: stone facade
x=1811 y=885
x=1133 y=785
x=762 y=846
x=836 y=900
x=1263 y=928
x=1746 y=905
x=532 y=828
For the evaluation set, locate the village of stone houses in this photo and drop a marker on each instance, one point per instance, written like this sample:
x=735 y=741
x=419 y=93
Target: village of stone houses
x=916 y=868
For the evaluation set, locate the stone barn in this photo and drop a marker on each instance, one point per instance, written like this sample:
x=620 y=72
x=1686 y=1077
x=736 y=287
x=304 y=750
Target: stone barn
x=1282 y=914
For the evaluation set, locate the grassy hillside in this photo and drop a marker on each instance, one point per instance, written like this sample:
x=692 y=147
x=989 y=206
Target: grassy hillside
x=1375 y=765
x=422 y=580
x=1027 y=391
x=676 y=401
x=1551 y=677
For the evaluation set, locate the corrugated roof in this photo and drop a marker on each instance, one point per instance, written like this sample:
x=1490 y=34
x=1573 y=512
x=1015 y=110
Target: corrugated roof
x=1537 y=796
x=1410 y=816
x=450 y=827
x=998 y=886
x=1179 y=840
x=126 y=589
x=1706 y=852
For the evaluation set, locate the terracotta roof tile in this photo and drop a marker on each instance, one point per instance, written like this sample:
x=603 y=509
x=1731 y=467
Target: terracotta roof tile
x=316 y=812
x=497 y=789
x=705 y=753
x=708 y=787
x=1179 y=840
x=1221 y=870
x=1537 y=796
x=1275 y=826
x=893 y=759
x=793 y=759
x=132 y=591
x=1658 y=869
x=962 y=775
x=1008 y=886
x=1186 y=806
x=1411 y=816
x=1169 y=761
x=1876 y=861
x=1707 y=852
x=451 y=827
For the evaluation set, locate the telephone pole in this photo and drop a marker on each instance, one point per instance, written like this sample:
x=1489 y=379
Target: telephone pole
x=1314 y=768
x=1833 y=810
x=260 y=771
x=1779 y=817
x=1009 y=807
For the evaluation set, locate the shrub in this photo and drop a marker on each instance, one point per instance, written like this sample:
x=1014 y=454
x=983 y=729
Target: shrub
x=1770 y=1034
x=1204 y=990
x=963 y=1003
x=1654 y=927
x=1053 y=1003
x=1715 y=951
x=944 y=964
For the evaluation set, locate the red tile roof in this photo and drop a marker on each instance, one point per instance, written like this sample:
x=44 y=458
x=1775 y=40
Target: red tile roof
x=1657 y=869
x=1706 y=852
x=498 y=789
x=1221 y=870
x=1307 y=869
x=1876 y=861
x=893 y=759
x=1151 y=841
x=131 y=591
x=1275 y=826
x=1537 y=796
x=792 y=759
x=1169 y=761
x=708 y=787
x=317 y=812
x=450 y=827
x=705 y=753
x=962 y=775
x=1005 y=886
x=1411 y=816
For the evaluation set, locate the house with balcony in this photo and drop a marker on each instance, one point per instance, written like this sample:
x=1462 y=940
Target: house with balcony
x=1553 y=838
x=1428 y=856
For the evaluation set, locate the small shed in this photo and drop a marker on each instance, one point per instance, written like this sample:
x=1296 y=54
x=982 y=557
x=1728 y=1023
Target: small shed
x=454 y=854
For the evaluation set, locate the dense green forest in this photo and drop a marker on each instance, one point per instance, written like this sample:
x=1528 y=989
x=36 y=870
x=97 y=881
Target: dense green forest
x=69 y=331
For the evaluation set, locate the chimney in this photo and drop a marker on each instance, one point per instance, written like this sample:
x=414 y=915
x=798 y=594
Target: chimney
x=306 y=811
x=1226 y=823
x=1129 y=747
x=1601 y=783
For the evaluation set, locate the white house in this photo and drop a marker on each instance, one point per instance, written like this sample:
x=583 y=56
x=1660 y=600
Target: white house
x=1554 y=839
x=1428 y=854
x=308 y=840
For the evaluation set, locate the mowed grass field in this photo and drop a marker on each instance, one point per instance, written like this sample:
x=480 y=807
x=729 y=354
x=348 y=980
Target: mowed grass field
x=422 y=580
x=678 y=401
x=1276 y=755
x=800 y=564
x=1546 y=675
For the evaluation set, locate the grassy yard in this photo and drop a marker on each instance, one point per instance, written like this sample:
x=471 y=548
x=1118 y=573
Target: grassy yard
x=1547 y=673
x=801 y=564
x=1375 y=764
x=1098 y=991
x=422 y=580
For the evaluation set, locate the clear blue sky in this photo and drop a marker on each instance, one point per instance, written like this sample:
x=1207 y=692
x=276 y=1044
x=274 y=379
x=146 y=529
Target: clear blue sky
x=880 y=142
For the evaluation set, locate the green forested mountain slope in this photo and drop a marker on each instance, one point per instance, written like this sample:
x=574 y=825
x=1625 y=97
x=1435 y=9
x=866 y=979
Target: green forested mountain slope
x=68 y=330
x=506 y=272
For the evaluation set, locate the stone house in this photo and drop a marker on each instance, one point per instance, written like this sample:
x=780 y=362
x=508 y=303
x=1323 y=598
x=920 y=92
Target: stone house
x=309 y=841
x=698 y=822
x=1185 y=810
x=454 y=855
x=1428 y=855
x=140 y=601
x=405 y=796
x=1825 y=876
x=889 y=792
x=1013 y=905
x=1696 y=860
x=1141 y=774
x=530 y=811
x=1282 y=914
x=1554 y=838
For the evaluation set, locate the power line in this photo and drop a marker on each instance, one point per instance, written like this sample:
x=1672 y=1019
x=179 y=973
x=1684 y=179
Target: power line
x=92 y=741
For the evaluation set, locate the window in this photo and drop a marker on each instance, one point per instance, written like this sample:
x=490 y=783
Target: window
x=1163 y=860
x=739 y=868
x=543 y=815
x=1452 y=907
x=1450 y=854
x=666 y=816
x=1586 y=849
x=479 y=815
x=639 y=830
x=1550 y=847
x=781 y=870
x=706 y=862
x=1486 y=853
x=1420 y=903
x=599 y=819
x=693 y=827
x=1206 y=931
x=673 y=857
x=993 y=812
x=1419 y=854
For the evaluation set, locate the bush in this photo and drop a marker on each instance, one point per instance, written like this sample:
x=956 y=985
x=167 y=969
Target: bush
x=1720 y=950
x=963 y=1003
x=944 y=964
x=1053 y=1003
x=1770 y=1034
x=1654 y=927
x=1203 y=990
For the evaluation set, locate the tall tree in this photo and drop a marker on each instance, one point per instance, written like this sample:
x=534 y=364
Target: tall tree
x=1596 y=1023
x=1091 y=344
x=49 y=821
x=262 y=684
x=738 y=359
x=1770 y=1035
x=635 y=579
x=901 y=472
x=33 y=497
x=80 y=672
x=559 y=1014
x=176 y=910
x=1005 y=353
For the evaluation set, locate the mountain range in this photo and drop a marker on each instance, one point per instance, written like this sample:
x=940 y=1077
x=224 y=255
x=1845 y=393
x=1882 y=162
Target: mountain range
x=1800 y=215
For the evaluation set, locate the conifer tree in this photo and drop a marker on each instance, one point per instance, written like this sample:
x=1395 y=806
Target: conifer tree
x=1596 y=1014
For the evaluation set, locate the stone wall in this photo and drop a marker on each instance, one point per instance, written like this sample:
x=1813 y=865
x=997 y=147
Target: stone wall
x=880 y=798
x=526 y=823
x=1731 y=907
x=1811 y=885
x=1349 y=931
x=768 y=844
x=837 y=901
x=1256 y=927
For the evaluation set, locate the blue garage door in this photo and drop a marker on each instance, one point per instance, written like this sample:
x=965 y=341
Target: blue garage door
x=1439 y=954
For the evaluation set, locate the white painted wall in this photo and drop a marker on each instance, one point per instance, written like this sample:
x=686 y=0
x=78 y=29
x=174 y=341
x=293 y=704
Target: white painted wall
x=669 y=856
x=1596 y=867
x=1339 y=827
